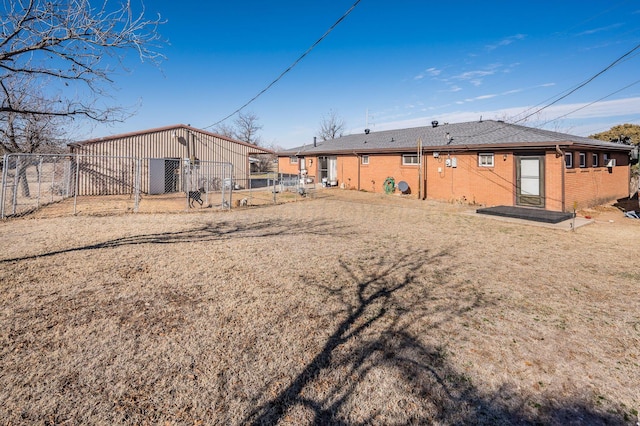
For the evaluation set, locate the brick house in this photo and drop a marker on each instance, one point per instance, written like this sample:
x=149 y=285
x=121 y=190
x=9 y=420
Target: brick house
x=485 y=162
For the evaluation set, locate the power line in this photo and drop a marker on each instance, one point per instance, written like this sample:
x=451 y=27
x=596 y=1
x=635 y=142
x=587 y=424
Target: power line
x=581 y=85
x=290 y=66
x=564 y=94
x=591 y=103
x=567 y=92
x=556 y=118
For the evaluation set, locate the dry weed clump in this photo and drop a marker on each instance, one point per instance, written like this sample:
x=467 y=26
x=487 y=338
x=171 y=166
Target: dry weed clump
x=347 y=309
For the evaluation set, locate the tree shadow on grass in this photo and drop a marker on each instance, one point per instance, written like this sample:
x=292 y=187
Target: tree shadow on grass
x=207 y=233
x=376 y=341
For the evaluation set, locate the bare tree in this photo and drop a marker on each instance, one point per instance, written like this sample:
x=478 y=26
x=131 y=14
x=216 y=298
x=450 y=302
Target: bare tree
x=227 y=130
x=331 y=126
x=247 y=128
x=268 y=162
x=28 y=132
x=71 y=47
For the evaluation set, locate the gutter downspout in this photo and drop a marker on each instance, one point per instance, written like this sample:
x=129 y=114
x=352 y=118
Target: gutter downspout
x=358 y=160
x=188 y=146
x=424 y=178
x=560 y=153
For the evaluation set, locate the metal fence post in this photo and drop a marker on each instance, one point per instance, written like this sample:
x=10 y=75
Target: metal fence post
x=137 y=184
x=5 y=166
x=231 y=190
x=187 y=177
x=16 y=184
x=53 y=178
x=67 y=177
x=76 y=185
x=275 y=200
x=39 y=182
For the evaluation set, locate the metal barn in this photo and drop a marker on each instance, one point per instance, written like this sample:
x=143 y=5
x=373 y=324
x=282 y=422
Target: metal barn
x=172 y=159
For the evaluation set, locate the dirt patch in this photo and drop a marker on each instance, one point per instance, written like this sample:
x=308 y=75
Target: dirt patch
x=347 y=308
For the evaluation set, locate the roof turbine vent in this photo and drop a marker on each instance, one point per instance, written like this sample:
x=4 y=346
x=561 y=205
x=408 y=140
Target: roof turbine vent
x=434 y=123
x=366 y=131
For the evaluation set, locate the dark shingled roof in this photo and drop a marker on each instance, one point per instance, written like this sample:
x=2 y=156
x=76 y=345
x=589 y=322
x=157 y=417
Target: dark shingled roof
x=487 y=134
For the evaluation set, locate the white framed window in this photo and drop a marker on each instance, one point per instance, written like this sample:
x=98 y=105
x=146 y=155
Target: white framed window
x=486 y=159
x=594 y=159
x=583 y=159
x=364 y=159
x=410 y=159
x=568 y=160
x=293 y=160
x=605 y=158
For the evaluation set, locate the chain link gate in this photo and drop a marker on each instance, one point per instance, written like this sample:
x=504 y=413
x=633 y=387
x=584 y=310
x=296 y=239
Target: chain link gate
x=32 y=181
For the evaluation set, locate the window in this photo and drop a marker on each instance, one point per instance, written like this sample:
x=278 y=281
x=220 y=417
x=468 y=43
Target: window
x=568 y=160
x=583 y=159
x=605 y=159
x=485 y=159
x=409 y=159
x=365 y=159
x=293 y=160
x=594 y=160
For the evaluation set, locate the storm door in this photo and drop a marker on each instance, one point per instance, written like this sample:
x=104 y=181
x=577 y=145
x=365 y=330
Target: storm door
x=328 y=169
x=530 y=180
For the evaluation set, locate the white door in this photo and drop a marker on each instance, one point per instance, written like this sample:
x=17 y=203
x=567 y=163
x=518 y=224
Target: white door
x=156 y=176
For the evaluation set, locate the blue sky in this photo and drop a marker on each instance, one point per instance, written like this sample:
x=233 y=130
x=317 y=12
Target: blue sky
x=406 y=63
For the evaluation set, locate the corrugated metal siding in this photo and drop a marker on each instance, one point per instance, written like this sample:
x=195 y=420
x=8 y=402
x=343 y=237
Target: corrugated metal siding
x=101 y=175
x=112 y=173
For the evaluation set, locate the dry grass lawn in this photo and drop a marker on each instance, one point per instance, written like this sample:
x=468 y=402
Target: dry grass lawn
x=348 y=309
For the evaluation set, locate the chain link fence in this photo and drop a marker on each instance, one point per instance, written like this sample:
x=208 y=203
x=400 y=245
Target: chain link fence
x=272 y=188
x=79 y=184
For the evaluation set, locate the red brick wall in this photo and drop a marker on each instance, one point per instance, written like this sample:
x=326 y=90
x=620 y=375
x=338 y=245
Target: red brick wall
x=553 y=182
x=373 y=175
x=366 y=177
x=590 y=186
x=285 y=166
x=469 y=182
